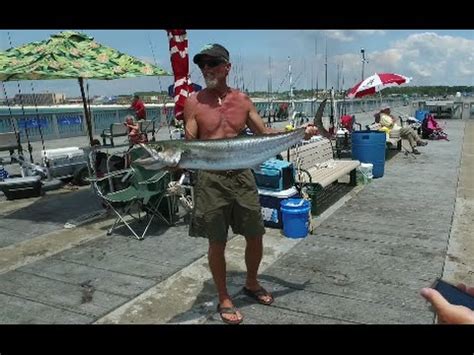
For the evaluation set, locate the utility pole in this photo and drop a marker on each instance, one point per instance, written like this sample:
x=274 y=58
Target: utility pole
x=317 y=69
x=326 y=68
x=292 y=102
x=254 y=87
x=342 y=74
x=362 y=52
x=269 y=87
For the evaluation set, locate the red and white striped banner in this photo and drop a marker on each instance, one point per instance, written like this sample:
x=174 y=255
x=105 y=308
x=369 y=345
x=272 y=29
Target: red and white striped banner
x=178 y=40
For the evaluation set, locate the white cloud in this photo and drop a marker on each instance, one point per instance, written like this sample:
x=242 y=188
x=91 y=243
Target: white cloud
x=429 y=58
x=436 y=59
x=370 y=32
x=350 y=35
x=343 y=36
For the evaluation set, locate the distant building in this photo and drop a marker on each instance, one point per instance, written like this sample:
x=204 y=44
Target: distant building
x=105 y=100
x=39 y=99
x=152 y=96
x=74 y=100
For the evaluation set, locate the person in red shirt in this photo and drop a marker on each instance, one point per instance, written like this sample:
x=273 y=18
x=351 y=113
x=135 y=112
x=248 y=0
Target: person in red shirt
x=139 y=108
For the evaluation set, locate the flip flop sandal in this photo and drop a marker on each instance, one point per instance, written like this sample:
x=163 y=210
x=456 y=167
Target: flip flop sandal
x=257 y=295
x=228 y=310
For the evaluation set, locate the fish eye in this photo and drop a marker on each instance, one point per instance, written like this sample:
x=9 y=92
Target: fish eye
x=157 y=148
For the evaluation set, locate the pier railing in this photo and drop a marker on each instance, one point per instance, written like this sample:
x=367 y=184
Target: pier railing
x=56 y=124
x=350 y=107
x=63 y=123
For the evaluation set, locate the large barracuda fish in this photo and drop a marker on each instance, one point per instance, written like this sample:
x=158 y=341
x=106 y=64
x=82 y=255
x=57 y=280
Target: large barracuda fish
x=241 y=152
x=223 y=154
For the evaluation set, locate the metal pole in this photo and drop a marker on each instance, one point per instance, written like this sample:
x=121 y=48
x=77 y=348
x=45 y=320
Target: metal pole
x=362 y=52
x=86 y=111
x=292 y=103
x=326 y=69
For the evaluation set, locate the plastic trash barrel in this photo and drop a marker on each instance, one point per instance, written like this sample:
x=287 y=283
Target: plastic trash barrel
x=295 y=216
x=420 y=115
x=369 y=147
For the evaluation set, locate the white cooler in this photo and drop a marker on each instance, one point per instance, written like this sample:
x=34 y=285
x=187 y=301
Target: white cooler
x=270 y=202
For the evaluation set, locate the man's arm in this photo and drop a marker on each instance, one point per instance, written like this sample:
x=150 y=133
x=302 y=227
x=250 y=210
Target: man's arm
x=190 y=123
x=255 y=123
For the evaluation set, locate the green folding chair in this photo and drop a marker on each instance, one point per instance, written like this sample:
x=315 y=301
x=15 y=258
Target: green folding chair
x=146 y=193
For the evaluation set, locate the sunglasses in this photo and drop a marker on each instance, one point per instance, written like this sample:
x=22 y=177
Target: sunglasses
x=211 y=63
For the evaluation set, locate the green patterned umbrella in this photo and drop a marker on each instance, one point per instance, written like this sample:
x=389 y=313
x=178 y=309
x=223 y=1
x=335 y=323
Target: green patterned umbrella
x=71 y=55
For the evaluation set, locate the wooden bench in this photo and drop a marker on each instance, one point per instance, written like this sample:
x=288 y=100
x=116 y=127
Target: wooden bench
x=115 y=130
x=8 y=141
x=315 y=166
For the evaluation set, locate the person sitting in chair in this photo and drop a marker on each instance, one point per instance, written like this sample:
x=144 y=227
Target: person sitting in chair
x=388 y=123
x=134 y=134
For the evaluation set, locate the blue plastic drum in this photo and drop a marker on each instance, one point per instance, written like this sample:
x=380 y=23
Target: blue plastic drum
x=369 y=147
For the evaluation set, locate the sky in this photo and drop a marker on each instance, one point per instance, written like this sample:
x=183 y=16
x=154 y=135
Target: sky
x=429 y=57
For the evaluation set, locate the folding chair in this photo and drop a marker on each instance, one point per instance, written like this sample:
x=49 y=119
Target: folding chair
x=146 y=193
x=134 y=191
x=148 y=126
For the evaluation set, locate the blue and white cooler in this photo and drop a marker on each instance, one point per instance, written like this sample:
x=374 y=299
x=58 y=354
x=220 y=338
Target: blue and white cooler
x=275 y=175
x=270 y=202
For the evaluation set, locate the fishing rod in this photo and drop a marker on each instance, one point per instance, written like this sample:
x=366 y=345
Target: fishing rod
x=278 y=89
x=13 y=122
x=163 y=109
x=332 y=113
x=30 y=148
x=38 y=119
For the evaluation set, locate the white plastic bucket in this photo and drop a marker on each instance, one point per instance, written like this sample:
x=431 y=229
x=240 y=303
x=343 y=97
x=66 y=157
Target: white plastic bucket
x=364 y=173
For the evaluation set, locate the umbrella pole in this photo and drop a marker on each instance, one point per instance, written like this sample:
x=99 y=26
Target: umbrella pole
x=86 y=111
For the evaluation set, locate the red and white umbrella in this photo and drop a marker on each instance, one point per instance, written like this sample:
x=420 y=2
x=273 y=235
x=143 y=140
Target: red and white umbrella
x=375 y=83
x=183 y=87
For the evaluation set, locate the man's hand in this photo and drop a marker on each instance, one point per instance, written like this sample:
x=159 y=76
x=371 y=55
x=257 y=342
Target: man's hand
x=310 y=131
x=447 y=312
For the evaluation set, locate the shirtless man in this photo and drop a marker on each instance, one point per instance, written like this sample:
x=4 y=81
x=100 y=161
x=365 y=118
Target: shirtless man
x=226 y=198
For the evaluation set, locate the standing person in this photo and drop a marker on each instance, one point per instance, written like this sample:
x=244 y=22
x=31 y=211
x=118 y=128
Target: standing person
x=139 y=107
x=226 y=198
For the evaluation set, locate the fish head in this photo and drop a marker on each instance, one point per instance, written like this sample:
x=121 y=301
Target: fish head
x=160 y=155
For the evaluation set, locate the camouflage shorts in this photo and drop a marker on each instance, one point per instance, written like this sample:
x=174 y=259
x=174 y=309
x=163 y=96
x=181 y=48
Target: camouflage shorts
x=223 y=199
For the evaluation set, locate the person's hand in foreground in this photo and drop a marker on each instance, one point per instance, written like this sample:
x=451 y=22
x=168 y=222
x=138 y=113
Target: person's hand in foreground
x=447 y=312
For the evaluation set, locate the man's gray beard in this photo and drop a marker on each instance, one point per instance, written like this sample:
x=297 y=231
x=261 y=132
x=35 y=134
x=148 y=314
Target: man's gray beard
x=211 y=83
